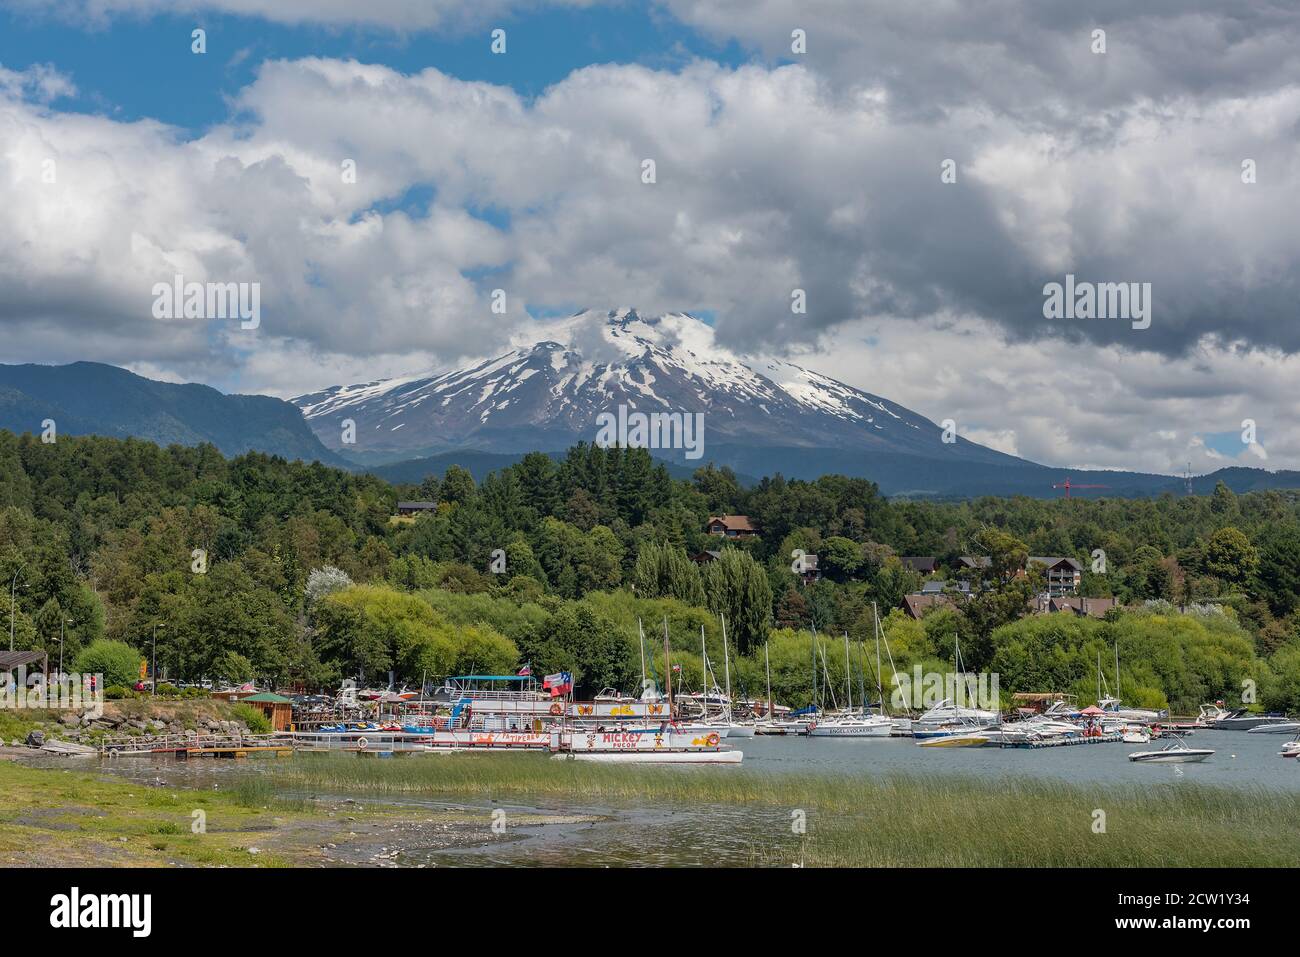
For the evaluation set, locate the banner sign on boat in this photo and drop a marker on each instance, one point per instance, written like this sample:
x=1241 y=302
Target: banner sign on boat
x=619 y=709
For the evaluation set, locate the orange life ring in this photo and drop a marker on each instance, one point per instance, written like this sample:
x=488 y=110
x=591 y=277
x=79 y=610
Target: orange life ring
x=712 y=740
x=556 y=709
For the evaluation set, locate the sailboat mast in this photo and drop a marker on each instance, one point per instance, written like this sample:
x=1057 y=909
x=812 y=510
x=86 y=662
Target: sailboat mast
x=726 y=666
x=848 y=681
x=1117 y=692
x=668 y=670
x=704 y=677
x=813 y=702
x=826 y=678
x=767 y=661
x=956 y=660
x=640 y=640
x=880 y=687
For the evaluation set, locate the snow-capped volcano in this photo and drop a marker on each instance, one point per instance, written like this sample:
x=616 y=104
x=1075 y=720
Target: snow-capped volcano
x=547 y=394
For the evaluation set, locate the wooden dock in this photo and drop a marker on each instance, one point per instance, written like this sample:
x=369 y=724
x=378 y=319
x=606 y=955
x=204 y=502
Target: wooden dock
x=184 y=746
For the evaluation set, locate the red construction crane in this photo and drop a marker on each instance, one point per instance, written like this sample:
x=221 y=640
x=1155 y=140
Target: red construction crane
x=1067 y=485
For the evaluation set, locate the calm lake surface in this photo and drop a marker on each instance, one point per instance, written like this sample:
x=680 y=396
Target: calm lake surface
x=1240 y=760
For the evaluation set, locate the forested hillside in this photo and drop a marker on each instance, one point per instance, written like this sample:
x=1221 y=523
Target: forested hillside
x=296 y=573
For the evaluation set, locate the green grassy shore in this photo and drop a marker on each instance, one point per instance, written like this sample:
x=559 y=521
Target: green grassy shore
x=61 y=817
x=68 y=816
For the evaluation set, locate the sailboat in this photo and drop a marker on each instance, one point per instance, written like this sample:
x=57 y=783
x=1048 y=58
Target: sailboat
x=948 y=718
x=901 y=725
x=849 y=724
x=770 y=723
x=735 y=729
x=1112 y=705
x=711 y=697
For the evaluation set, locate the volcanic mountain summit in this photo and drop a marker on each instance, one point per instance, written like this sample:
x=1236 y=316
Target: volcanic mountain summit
x=547 y=395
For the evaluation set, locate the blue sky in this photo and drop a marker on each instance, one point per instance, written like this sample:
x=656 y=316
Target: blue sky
x=167 y=82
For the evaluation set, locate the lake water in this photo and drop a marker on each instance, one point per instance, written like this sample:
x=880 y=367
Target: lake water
x=648 y=834
x=1240 y=760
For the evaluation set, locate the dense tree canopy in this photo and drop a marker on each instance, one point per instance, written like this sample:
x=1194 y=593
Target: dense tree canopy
x=301 y=574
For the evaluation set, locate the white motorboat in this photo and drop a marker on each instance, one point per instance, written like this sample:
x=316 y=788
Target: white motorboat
x=852 y=726
x=1211 y=713
x=781 y=726
x=947 y=717
x=1144 y=715
x=1176 y=752
x=1291 y=749
x=958 y=739
x=946 y=729
x=1279 y=727
x=1137 y=735
x=1243 y=720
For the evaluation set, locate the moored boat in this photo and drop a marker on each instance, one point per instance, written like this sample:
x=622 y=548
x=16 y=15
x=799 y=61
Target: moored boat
x=1275 y=727
x=1176 y=752
x=1244 y=720
x=852 y=726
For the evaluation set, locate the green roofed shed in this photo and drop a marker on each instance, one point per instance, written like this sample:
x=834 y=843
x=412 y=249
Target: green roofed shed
x=277 y=708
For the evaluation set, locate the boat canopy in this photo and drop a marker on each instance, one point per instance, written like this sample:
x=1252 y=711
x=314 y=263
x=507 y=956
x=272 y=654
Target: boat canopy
x=811 y=709
x=491 y=678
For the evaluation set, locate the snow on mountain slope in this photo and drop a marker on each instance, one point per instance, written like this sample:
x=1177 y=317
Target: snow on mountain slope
x=546 y=395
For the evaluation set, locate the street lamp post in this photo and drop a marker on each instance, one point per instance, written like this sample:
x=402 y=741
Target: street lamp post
x=153 y=668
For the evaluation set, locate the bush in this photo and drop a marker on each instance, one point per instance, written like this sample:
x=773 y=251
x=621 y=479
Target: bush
x=118 y=693
x=117 y=661
x=257 y=722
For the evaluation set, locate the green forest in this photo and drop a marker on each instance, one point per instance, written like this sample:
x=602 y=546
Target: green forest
x=299 y=575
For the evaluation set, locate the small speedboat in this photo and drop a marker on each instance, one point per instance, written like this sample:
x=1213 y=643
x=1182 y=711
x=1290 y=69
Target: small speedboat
x=974 y=739
x=1245 y=720
x=1291 y=749
x=1280 y=727
x=1173 y=753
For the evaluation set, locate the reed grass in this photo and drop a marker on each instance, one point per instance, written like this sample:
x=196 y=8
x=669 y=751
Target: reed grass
x=888 y=820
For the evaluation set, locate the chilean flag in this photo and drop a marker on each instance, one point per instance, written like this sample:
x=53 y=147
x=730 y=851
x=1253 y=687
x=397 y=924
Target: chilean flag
x=525 y=671
x=558 y=684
